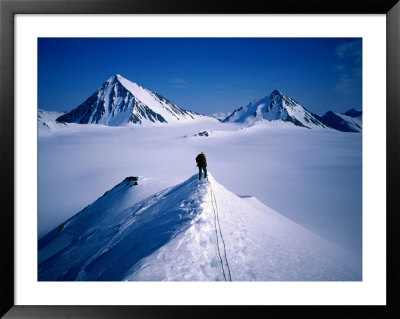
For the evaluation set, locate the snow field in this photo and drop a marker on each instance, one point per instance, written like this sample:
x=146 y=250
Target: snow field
x=311 y=177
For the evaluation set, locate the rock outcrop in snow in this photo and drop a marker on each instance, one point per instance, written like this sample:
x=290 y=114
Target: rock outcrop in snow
x=275 y=107
x=119 y=102
x=194 y=231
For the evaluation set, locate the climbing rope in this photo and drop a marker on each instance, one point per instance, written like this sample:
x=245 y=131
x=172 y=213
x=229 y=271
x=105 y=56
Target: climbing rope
x=216 y=234
x=216 y=221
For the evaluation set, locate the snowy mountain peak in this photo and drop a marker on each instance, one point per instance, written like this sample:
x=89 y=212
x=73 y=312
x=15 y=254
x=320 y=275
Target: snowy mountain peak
x=275 y=107
x=112 y=78
x=120 y=101
x=115 y=77
x=276 y=92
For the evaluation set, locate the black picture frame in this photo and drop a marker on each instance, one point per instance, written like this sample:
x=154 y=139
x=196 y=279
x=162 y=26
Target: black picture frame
x=8 y=9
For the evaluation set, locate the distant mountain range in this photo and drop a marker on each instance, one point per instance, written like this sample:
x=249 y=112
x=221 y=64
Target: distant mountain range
x=351 y=121
x=120 y=102
x=279 y=107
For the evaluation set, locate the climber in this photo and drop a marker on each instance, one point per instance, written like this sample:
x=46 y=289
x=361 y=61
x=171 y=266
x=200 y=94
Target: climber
x=202 y=164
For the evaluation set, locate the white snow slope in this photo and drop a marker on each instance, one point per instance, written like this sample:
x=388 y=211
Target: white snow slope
x=275 y=107
x=119 y=102
x=354 y=122
x=194 y=231
x=47 y=121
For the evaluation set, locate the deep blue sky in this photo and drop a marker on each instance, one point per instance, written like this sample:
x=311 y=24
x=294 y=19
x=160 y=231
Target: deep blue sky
x=206 y=75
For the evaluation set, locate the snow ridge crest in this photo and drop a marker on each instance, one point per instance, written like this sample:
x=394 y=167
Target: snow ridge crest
x=194 y=231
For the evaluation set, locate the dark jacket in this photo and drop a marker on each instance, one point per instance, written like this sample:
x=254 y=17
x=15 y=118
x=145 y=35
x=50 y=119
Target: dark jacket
x=201 y=160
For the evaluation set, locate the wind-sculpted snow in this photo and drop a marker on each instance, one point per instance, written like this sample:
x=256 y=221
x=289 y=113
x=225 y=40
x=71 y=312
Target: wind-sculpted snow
x=194 y=231
x=119 y=102
x=103 y=242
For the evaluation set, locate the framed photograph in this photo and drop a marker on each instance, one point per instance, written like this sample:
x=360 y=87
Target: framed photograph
x=165 y=158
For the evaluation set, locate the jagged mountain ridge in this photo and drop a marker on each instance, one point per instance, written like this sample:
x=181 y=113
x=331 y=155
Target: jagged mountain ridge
x=275 y=107
x=119 y=102
x=350 y=121
x=192 y=231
